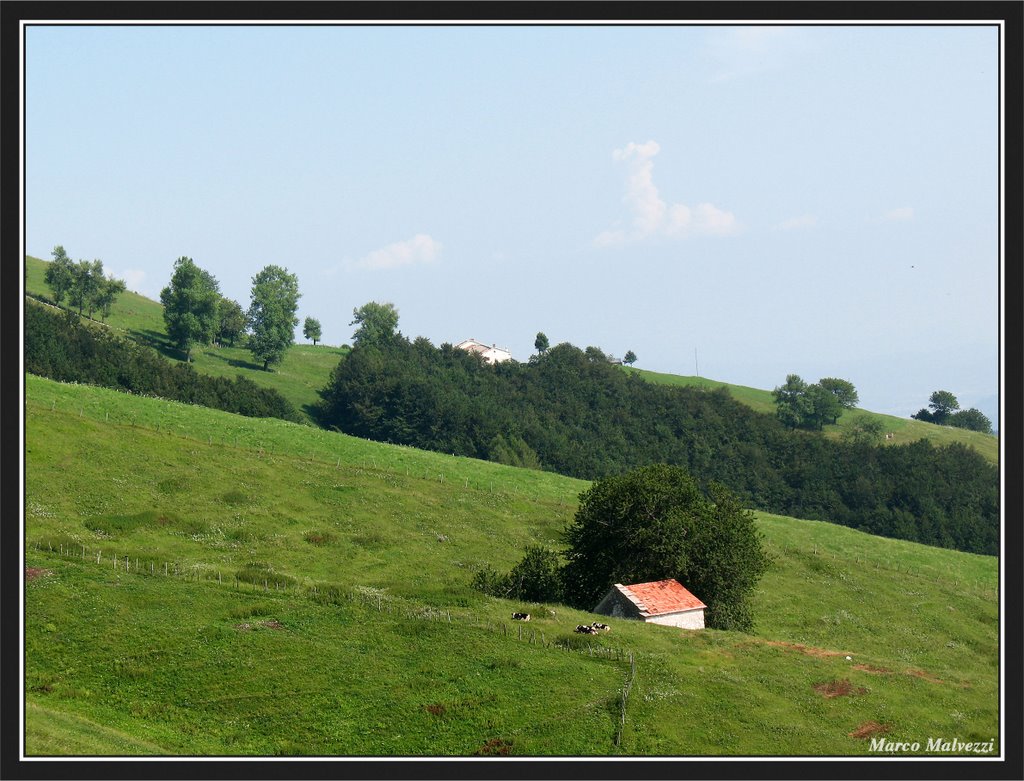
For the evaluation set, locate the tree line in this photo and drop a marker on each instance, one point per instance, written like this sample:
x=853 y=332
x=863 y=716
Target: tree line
x=944 y=410
x=58 y=345
x=571 y=411
x=194 y=311
x=84 y=284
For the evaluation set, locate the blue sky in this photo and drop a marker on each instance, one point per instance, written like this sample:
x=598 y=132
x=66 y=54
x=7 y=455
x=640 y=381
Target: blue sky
x=817 y=200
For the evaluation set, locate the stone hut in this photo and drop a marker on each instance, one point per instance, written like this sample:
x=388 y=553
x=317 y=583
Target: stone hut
x=665 y=602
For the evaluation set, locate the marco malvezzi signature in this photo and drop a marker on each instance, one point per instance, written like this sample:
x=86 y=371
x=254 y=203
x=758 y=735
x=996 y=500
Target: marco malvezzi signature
x=934 y=745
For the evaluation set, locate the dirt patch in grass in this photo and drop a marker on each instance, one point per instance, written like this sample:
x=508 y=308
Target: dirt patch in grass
x=31 y=573
x=436 y=709
x=272 y=623
x=868 y=730
x=841 y=688
x=924 y=675
x=873 y=670
x=809 y=650
x=495 y=747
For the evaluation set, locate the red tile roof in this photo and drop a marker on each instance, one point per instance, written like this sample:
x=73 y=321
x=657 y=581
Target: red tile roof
x=660 y=596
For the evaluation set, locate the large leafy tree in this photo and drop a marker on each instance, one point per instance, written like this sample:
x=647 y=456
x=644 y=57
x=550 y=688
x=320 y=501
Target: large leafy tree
x=943 y=404
x=824 y=407
x=843 y=390
x=792 y=406
x=311 y=330
x=232 y=321
x=377 y=323
x=655 y=523
x=630 y=358
x=87 y=281
x=191 y=306
x=275 y=299
x=60 y=274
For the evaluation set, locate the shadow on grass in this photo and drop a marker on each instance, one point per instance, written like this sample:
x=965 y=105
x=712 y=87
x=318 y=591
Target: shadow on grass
x=158 y=342
x=237 y=363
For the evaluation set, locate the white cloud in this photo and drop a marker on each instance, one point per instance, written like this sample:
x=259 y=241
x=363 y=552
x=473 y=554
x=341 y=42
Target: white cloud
x=714 y=221
x=651 y=215
x=901 y=214
x=421 y=248
x=797 y=223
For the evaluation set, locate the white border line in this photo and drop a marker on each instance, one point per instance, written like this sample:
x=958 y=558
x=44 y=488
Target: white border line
x=998 y=24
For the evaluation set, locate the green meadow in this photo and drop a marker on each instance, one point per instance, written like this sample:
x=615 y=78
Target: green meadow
x=306 y=369
x=202 y=583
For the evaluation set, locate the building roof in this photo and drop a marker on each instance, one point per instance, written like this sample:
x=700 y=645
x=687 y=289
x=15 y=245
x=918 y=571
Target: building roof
x=476 y=346
x=660 y=597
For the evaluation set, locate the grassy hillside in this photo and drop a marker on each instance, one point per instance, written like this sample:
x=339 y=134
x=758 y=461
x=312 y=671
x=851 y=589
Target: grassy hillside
x=199 y=582
x=306 y=369
x=904 y=430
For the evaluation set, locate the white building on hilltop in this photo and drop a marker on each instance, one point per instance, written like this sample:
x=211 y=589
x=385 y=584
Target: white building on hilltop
x=490 y=352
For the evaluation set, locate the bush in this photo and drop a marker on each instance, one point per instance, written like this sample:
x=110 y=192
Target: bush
x=538 y=577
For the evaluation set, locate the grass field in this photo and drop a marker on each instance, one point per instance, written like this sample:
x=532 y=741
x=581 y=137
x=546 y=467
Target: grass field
x=203 y=583
x=306 y=369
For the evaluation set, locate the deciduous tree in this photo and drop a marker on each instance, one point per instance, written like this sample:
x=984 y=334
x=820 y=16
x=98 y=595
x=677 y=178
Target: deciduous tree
x=60 y=274
x=971 y=419
x=541 y=344
x=109 y=290
x=792 y=407
x=87 y=278
x=275 y=299
x=311 y=329
x=943 y=404
x=630 y=358
x=377 y=323
x=191 y=306
x=843 y=390
x=232 y=321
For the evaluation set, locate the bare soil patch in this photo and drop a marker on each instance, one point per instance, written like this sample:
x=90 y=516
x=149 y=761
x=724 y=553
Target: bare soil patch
x=924 y=675
x=273 y=623
x=436 y=710
x=809 y=650
x=495 y=747
x=868 y=730
x=841 y=688
x=31 y=573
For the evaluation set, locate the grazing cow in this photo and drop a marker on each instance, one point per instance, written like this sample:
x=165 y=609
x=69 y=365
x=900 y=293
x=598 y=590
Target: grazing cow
x=601 y=627
x=585 y=630
x=520 y=616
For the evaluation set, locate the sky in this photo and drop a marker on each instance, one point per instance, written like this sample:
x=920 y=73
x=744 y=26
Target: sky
x=740 y=202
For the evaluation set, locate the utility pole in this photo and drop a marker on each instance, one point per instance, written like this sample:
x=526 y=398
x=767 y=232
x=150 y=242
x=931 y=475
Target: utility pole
x=696 y=367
